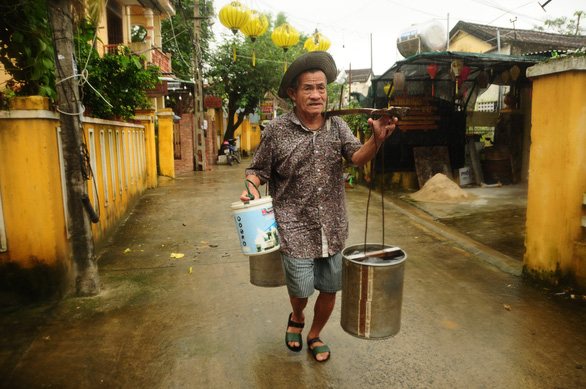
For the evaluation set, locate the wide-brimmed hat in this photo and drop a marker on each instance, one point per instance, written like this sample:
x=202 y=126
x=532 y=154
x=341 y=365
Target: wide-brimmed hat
x=312 y=60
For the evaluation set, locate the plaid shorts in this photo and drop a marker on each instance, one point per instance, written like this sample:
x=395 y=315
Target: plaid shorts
x=305 y=275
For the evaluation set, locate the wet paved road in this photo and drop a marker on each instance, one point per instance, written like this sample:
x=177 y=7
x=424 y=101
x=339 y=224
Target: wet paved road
x=197 y=322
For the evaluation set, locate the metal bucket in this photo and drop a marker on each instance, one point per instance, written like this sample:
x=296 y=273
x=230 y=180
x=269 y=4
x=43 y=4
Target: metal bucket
x=267 y=270
x=372 y=293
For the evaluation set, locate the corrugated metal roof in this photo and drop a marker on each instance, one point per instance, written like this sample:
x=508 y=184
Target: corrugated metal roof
x=359 y=75
x=511 y=36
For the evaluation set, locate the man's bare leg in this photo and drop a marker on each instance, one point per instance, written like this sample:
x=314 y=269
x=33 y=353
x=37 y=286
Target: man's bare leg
x=324 y=307
x=298 y=305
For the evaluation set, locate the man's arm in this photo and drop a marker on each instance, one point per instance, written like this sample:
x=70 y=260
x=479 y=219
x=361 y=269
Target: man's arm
x=382 y=128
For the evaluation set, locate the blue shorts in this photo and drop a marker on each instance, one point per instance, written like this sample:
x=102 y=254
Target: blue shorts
x=305 y=275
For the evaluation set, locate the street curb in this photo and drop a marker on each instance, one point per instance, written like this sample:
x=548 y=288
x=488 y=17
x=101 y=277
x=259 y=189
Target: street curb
x=495 y=258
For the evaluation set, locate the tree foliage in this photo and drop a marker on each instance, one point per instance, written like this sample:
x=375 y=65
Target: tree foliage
x=26 y=52
x=335 y=90
x=116 y=83
x=564 y=25
x=178 y=36
x=241 y=85
x=26 y=49
x=357 y=122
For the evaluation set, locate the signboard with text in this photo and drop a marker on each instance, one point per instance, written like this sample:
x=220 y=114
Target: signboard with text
x=267 y=108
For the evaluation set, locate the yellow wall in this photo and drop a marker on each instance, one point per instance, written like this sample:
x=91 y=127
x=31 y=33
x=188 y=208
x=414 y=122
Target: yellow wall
x=249 y=136
x=557 y=174
x=147 y=119
x=462 y=41
x=166 y=155
x=37 y=259
x=121 y=177
x=32 y=202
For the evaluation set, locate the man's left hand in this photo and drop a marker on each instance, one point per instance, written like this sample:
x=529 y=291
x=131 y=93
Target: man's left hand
x=383 y=127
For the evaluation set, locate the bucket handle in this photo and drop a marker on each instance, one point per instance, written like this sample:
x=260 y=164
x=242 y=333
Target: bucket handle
x=250 y=195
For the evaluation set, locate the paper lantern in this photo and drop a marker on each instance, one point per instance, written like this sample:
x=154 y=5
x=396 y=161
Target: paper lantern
x=515 y=71
x=285 y=36
x=399 y=80
x=464 y=73
x=506 y=76
x=317 y=41
x=256 y=26
x=455 y=69
x=388 y=90
x=432 y=69
x=234 y=16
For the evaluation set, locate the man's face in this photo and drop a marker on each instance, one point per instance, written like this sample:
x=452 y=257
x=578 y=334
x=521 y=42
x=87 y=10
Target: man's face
x=311 y=94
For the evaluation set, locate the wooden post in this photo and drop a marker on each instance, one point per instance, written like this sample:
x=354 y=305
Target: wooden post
x=479 y=177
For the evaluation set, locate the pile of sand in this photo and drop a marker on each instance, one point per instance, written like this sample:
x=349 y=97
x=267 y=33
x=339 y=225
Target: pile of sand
x=440 y=189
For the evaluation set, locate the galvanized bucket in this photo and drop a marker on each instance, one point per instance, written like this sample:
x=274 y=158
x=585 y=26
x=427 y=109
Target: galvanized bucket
x=372 y=293
x=267 y=270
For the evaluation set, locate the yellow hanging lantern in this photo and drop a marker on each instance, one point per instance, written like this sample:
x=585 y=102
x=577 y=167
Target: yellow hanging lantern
x=317 y=41
x=256 y=26
x=285 y=36
x=386 y=88
x=506 y=76
x=234 y=16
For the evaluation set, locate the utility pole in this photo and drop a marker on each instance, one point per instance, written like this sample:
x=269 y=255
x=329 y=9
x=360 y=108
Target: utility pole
x=87 y=280
x=200 y=138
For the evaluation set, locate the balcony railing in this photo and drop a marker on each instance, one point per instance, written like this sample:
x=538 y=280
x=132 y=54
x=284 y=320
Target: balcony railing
x=111 y=49
x=153 y=55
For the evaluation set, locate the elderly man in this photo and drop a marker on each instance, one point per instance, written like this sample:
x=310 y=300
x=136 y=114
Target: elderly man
x=300 y=156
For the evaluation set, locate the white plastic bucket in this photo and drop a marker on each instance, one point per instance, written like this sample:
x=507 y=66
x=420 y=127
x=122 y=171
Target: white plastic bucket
x=256 y=226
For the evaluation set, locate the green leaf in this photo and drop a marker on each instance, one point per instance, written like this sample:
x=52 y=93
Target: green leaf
x=36 y=74
x=17 y=37
x=48 y=63
x=136 y=62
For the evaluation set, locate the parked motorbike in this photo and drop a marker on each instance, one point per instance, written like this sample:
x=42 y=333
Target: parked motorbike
x=231 y=151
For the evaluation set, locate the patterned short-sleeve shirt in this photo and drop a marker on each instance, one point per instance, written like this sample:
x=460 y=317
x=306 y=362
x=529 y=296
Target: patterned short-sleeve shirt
x=304 y=170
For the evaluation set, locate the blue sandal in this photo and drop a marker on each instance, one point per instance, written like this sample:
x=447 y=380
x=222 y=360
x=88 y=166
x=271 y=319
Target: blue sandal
x=293 y=336
x=318 y=349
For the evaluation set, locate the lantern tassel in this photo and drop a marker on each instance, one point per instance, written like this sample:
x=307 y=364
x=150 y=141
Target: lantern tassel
x=285 y=55
x=253 y=57
x=234 y=49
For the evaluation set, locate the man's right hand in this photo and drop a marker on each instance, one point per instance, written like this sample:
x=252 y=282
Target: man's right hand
x=251 y=188
x=244 y=195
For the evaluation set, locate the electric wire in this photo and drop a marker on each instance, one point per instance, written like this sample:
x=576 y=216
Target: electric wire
x=370 y=187
x=189 y=66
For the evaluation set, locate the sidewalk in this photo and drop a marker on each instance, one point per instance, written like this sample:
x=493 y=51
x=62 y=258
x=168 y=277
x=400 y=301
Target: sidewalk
x=197 y=322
